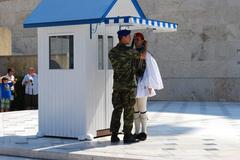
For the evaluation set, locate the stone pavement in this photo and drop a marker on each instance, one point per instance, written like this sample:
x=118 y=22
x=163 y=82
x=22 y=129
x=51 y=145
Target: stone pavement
x=14 y=158
x=177 y=131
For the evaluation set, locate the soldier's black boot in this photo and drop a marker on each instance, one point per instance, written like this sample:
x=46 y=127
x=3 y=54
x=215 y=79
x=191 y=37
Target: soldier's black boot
x=142 y=136
x=114 y=138
x=129 y=138
x=136 y=136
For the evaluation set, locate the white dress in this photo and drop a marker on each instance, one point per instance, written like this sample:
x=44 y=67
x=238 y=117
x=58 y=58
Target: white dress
x=151 y=79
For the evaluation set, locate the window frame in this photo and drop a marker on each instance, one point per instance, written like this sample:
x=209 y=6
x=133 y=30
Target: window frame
x=109 y=62
x=99 y=65
x=71 y=39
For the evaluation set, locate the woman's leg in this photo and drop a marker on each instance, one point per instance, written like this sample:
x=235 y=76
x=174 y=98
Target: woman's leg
x=136 y=117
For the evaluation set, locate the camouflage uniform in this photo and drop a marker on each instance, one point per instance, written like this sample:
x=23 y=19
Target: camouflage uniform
x=124 y=86
x=140 y=64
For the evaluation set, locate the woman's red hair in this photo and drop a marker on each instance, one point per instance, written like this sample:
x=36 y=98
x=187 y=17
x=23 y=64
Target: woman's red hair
x=140 y=35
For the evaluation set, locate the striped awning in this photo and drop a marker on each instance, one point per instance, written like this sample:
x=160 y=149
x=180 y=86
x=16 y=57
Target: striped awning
x=134 y=23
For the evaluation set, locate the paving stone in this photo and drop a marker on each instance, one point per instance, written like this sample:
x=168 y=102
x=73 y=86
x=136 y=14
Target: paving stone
x=176 y=131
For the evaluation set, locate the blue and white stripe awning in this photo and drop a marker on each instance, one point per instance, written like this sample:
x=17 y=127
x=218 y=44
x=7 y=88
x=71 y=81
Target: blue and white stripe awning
x=140 y=23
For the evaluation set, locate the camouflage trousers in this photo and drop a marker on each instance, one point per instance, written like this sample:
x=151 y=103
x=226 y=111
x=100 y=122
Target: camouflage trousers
x=123 y=100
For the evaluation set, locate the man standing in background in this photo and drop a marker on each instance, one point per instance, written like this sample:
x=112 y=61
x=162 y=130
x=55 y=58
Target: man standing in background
x=30 y=81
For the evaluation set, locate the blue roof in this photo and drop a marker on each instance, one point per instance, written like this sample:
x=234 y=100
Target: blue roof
x=72 y=12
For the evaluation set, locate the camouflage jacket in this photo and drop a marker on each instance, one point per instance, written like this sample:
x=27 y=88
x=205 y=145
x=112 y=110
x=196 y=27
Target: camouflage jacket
x=123 y=59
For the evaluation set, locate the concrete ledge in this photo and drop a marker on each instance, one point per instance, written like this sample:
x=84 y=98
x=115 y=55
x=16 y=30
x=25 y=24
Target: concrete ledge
x=50 y=155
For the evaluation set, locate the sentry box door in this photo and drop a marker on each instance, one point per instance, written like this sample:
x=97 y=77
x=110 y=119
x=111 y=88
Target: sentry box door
x=106 y=41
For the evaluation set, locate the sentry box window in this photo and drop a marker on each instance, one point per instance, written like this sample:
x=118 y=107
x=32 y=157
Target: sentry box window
x=61 y=52
x=110 y=46
x=100 y=53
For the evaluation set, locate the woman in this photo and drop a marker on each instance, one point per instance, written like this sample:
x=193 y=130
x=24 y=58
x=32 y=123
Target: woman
x=148 y=78
x=11 y=78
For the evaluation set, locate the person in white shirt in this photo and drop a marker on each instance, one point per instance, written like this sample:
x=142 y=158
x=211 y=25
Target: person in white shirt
x=148 y=79
x=11 y=78
x=30 y=81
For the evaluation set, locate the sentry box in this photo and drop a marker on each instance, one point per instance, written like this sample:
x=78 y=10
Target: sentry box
x=75 y=75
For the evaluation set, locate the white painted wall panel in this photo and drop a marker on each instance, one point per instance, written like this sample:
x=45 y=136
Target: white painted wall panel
x=62 y=100
x=110 y=31
x=97 y=97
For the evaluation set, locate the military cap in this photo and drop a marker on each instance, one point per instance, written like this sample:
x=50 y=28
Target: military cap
x=123 y=33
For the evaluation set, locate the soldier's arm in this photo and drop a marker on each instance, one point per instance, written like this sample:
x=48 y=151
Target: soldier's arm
x=136 y=55
x=111 y=56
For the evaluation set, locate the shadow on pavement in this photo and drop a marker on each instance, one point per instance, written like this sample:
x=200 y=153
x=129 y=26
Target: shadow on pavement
x=229 y=110
x=168 y=130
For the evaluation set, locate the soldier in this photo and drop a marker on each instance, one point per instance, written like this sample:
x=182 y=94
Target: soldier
x=122 y=58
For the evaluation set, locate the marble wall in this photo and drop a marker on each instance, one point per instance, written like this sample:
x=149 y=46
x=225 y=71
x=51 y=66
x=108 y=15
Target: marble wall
x=12 y=15
x=5 y=41
x=200 y=62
